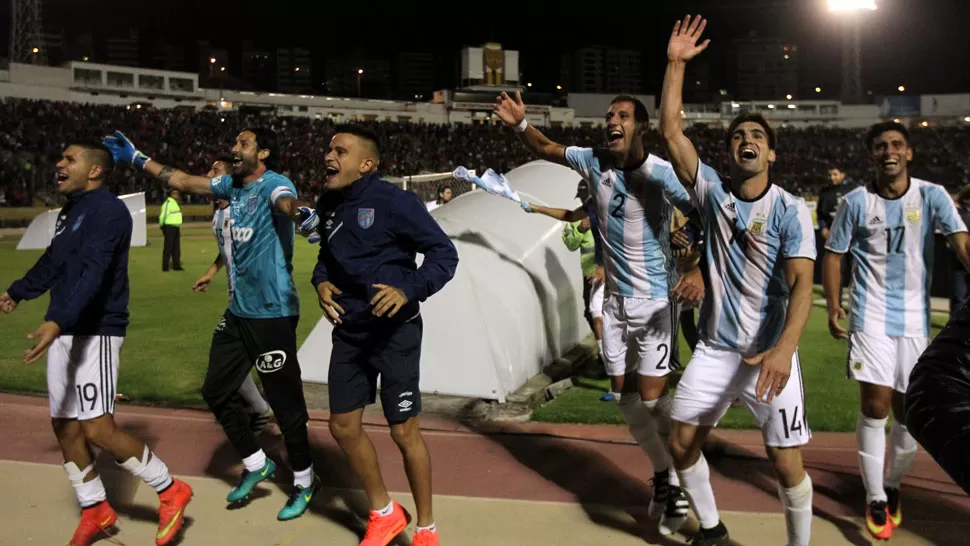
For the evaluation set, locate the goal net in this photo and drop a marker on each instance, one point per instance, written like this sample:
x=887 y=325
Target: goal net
x=427 y=185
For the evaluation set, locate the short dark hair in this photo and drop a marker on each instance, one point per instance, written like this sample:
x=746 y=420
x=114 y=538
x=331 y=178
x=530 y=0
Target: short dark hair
x=834 y=167
x=442 y=189
x=361 y=132
x=881 y=128
x=753 y=117
x=266 y=140
x=99 y=154
x=640 y=113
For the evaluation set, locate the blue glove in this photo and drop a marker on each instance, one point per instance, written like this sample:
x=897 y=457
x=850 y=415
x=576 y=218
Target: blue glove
x=309 y=221
x=525 y=206
x=124 y=151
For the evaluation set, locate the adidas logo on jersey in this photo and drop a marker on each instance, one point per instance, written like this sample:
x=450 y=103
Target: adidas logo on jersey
x=875 y=220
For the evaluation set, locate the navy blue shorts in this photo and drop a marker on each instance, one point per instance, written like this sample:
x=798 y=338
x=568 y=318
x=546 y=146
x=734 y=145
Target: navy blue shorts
x=360 y=356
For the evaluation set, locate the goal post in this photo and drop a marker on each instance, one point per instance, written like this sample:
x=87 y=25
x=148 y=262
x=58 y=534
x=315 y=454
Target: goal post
x=426 y=186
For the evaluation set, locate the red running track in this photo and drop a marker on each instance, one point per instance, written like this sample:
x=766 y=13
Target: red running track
x=589 y=464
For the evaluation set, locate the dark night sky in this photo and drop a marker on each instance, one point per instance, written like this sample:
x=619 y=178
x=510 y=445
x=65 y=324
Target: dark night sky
x=910 y=42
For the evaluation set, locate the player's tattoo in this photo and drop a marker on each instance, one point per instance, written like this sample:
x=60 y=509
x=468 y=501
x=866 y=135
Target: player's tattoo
x=166 y=174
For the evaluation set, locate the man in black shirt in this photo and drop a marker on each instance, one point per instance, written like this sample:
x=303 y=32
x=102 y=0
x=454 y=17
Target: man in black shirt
x=829 y=200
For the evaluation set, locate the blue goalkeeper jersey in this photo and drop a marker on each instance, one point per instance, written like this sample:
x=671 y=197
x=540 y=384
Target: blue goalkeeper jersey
x=260 y=266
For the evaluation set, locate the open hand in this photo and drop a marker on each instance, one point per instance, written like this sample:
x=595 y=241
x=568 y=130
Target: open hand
x=45 y=335
x=683 y=40
x=775 y=370
x=509 y=110
x=388 y=299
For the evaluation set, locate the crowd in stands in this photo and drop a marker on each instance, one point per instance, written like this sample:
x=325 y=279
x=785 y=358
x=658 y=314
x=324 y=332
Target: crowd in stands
x=33 y=134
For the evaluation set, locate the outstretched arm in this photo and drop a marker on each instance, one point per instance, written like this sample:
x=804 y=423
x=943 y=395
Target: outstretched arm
x=125 y=152
x=512 y=112
x=681 y=48
x=563 y=215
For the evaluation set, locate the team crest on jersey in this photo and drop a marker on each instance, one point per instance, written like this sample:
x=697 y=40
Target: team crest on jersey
x=912 y=216
x=78 y=223
x=757 y=227
x=252 y=203
x=365 y=218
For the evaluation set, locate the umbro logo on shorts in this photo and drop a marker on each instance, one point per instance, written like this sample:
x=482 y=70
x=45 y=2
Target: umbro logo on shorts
x=405 y=405
x=270 y=362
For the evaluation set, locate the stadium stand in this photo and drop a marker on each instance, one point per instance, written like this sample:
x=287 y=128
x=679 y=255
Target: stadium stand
x=32 y=134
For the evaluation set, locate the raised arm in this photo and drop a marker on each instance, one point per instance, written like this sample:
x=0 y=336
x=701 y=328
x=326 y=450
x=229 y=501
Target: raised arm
x=512 y=112
x=681 y=48
x=125 y=152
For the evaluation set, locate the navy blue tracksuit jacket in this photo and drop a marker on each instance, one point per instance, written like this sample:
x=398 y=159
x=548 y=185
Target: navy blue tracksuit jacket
x=85 y=267
x=370 y=234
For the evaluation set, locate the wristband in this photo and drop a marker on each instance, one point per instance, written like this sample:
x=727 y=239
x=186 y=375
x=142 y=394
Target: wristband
x=521 y=126
x=139 y=160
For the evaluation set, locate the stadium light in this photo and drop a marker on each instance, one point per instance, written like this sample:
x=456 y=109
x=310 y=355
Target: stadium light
x=212 y=60
x=925 y=124
x=852 y=5
x=788 y=96
x=818 y=89
x=297 y=69
x=528 y=84
x=901 y=88
x=967 y=119
x=222 y=69
x=85 y=59
x=559 y=87
x=35 y=50
x=360 y=71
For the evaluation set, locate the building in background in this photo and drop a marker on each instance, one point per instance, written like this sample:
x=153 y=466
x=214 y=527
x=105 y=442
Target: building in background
x=766 y=68
x=602 y=70
x=294 y=70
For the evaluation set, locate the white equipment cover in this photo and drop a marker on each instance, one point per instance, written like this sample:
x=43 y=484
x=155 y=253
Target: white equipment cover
x=515 y=304
x=39 y=233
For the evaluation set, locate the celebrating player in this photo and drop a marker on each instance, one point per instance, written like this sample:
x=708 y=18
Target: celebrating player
x=260 y=412
x=633 y=192
x=370 y=288
x=888 y=228
x=260 y=325
x=759 y=258
x=86 y=270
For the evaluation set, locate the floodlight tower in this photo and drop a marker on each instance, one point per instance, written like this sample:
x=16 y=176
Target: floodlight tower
x=852 y=11
x=26 y=36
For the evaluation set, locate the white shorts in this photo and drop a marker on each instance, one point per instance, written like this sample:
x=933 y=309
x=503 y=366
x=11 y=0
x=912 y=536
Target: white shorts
x=596 y=299
x=716 y=377
x=637 y=334
x=82 y=376
x=883 y=360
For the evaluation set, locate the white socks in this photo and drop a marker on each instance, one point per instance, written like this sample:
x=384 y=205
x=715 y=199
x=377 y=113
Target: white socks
x=798 y=511
x=255 y=462
x=660 y=410
x=251 y=395
x=871 y=437
x=901 y=455
x=643 y=428
x=88 y=493
x=387 y=510
x=303 y=478
x=150 y=469
x=696 y=482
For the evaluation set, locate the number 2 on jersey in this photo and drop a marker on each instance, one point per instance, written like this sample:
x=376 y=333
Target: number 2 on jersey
x=617 y=211
x=894 y=239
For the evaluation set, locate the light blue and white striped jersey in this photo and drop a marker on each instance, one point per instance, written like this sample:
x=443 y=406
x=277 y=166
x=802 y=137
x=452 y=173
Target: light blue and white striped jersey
x=748 y=242
x=262 y=247
x=892 y=243
x=633 y=209
x=221 y=230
